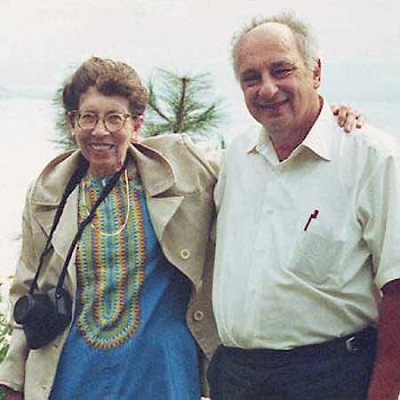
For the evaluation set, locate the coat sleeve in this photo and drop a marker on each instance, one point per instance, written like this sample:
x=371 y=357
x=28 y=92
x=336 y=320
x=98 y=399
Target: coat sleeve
x=211 y=158
x=12 y=369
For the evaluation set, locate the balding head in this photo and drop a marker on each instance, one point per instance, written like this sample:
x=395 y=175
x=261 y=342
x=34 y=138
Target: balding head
x=305 y=40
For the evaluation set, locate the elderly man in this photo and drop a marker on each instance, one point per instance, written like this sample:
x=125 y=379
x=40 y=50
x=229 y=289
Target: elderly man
x=307 y=275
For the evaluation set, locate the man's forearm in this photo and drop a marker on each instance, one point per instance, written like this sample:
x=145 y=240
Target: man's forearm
x=385 y=381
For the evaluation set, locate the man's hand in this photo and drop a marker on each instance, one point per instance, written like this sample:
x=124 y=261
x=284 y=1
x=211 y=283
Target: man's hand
x=348 y=117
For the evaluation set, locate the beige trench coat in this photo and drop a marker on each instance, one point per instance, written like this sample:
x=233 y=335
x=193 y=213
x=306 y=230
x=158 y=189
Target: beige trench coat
x=178 y=179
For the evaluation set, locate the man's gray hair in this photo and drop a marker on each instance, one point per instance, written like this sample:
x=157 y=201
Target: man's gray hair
x=305 y=39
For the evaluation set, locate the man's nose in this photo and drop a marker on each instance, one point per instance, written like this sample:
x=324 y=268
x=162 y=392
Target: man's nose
x=268 y=87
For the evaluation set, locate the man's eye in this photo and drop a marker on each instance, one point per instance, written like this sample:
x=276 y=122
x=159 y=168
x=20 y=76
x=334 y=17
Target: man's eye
x=282 y=72
x=249 y=79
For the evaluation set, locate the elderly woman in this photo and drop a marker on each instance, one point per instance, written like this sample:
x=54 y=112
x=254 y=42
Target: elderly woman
x=139 y=277
x=142 y=319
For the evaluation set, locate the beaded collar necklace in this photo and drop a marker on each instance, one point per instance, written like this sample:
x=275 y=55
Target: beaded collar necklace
x=118 y=231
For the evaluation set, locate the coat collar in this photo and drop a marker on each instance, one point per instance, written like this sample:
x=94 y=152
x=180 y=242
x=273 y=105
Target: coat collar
x=155 y=171
x=157 y=177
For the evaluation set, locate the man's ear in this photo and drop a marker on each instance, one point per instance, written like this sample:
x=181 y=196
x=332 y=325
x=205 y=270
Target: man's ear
x=317 y=74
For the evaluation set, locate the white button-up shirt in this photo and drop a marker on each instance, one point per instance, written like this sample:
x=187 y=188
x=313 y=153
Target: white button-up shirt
x=304 y=245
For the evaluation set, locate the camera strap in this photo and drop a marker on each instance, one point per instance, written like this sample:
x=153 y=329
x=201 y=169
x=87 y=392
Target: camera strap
x=71 y=185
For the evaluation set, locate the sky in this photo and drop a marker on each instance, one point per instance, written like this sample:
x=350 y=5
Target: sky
x=42 y=41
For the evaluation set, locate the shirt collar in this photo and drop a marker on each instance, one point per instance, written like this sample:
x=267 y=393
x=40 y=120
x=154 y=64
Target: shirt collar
x=318 y=139
x=255 y=142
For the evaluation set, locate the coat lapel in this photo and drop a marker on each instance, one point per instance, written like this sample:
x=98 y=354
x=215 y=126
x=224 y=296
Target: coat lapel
x=157 y=176
x=161 y=211
x=51 y=184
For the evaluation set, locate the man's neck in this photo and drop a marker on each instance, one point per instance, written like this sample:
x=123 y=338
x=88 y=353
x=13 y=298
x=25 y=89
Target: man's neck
x=285 y=142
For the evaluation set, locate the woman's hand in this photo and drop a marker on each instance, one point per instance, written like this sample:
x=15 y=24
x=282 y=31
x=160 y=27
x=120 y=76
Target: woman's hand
x=10 y=394
x=348 y=117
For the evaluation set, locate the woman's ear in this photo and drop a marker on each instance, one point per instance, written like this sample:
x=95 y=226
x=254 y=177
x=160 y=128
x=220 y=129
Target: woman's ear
x=136 y=125
x=138 y=122
x=71 y=122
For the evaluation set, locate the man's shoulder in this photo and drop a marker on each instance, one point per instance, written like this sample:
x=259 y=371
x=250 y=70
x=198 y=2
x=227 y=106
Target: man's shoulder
x=243 y=142
x=376 y=140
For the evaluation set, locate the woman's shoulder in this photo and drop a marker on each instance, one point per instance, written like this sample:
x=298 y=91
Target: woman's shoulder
x=173 y=145
x=55 y=175
x=62 y=158
x=161 y=142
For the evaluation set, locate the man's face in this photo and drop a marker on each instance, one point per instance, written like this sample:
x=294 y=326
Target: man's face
x=279 y=91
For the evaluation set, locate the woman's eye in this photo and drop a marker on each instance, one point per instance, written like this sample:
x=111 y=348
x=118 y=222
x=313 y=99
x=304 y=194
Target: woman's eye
x=87 y=117
x=114 y=118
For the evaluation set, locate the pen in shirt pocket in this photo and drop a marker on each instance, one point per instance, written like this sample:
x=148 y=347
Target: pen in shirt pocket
x=312 y=216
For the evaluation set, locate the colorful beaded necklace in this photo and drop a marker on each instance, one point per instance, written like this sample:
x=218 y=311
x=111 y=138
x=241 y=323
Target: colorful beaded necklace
x=127 y=202
x=111 y=267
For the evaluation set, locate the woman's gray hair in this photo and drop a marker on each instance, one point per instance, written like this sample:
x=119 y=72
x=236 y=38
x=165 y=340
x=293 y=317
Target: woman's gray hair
x=305 y=39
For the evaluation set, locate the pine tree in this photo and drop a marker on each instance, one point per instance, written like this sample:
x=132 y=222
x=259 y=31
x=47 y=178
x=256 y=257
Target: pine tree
x=180 y=104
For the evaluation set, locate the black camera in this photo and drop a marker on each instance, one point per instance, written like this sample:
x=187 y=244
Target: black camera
x=43 y=316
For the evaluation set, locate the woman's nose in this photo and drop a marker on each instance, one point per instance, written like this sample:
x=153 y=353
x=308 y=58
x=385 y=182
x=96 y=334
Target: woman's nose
x=100 y=128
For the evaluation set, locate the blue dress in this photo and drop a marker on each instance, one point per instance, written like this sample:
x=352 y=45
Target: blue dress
x=129 y=338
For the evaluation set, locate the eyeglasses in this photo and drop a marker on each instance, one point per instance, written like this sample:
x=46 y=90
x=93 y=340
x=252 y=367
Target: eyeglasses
x=112 y=122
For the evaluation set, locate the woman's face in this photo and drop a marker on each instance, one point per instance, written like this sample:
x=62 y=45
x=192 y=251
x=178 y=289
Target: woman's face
x=104 y=150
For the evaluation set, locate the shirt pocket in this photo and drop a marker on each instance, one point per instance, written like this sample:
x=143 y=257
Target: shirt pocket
x=313 y=257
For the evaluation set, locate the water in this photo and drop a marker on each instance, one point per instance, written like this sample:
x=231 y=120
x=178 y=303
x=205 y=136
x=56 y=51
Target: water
x=27 y=128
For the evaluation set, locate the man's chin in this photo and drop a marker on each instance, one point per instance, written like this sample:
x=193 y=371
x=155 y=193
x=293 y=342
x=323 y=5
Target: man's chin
x=275 y=124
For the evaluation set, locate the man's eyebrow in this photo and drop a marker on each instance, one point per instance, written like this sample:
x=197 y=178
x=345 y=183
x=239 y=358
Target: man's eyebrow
x=283 y=63
x=249 y=72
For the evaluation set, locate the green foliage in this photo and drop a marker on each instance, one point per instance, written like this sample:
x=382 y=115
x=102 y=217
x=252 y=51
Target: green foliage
x=177 y=104
x=181 y=104
x=5 y=331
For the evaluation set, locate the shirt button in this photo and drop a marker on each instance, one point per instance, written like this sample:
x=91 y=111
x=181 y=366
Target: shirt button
x=185 y=254
x=198 y=315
